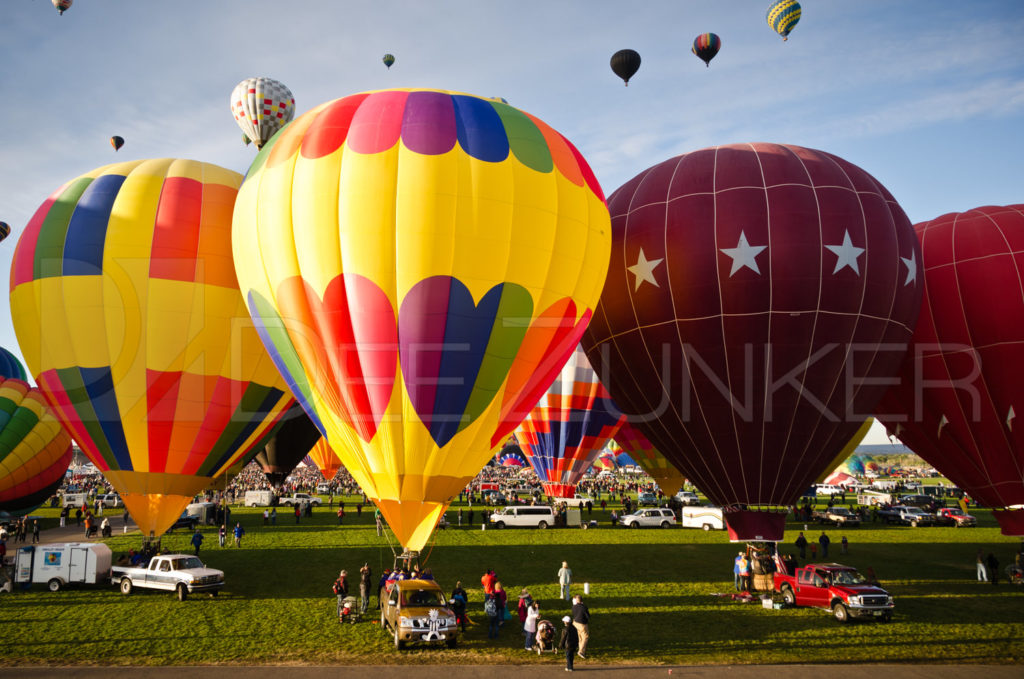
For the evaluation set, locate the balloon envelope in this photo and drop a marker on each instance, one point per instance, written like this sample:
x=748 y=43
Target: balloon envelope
x=625 y=64
x=417 y=315
x=757 y=295
x=782 y=16
x=632 y=441
x=10 y=366
x=5 y=230
x=62 y=5
x=35 y=451
x=325 y=459
x=293 y=438
x=963 y=381
x=261 y=107
x=566 y=431
x=706 y=46
x=511 y=456
x=117 y=142
x=389 y=60
x=127 y=311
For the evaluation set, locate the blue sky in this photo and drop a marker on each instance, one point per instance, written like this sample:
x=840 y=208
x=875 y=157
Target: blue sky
x=926 y=95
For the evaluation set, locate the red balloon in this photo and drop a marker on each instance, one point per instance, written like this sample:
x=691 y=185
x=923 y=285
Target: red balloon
x=756 y=297
x=962 y=383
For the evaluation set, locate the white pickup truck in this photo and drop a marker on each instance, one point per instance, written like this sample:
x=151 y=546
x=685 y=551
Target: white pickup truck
x=183 y=574
x=300 y=499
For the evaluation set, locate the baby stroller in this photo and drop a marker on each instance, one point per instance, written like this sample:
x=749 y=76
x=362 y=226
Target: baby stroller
x=545 y=637
x=350 y=610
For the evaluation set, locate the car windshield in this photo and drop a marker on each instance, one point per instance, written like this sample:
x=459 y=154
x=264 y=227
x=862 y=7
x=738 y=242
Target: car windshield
x=186 y=563
x=955 y=512
x=423 y=597
x=848 y=578
x=841 y=511
x=639 y=512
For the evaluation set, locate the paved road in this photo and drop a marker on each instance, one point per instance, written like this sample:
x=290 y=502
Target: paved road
x=529 y=672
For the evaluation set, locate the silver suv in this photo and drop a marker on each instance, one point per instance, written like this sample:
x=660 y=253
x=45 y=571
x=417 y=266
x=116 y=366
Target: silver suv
x=649 y=518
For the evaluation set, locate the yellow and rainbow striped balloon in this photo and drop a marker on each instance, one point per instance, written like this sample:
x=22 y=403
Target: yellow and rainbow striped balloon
x=421 y=264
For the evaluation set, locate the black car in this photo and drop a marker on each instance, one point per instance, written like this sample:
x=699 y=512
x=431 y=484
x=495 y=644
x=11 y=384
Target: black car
x=926 y=502
x=185 y=521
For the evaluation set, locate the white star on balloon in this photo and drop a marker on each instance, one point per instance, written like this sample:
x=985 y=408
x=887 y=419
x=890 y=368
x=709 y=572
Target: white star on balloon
x=743 y=255
x=644 y=270
x=911 y=269
x=846 y=254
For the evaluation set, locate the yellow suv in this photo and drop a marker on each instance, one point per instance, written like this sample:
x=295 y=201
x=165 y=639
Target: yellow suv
x=416 y=611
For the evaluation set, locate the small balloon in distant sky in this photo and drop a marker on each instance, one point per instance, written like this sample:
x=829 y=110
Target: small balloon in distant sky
x=625 y=64
x=117 y=142
x=62 y=5
x=389 y=59
x=782 y=16
x=706 y=46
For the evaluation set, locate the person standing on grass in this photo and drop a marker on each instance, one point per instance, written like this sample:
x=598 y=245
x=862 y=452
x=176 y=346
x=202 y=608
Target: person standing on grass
x=737 y=581
x=570 y=642
x=273 y=516
x=801 y=544
x=530 y=625
x=35 y=531
x=502 y=599
x=993 y=568
x=266 y=517
x=298 y=513
x=491 y=611
x=487 y=581
x=341 y=515
x=982 y=575
x=365 y=580
x=340 y=588
x=239 y=532
x=844 y=546
x=581 y=621
x=824 y=542
x=197 y=540
x=222 y=535
x=564 y=580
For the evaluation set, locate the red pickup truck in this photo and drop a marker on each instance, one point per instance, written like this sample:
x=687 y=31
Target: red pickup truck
x=949 y=516
x=835 y=587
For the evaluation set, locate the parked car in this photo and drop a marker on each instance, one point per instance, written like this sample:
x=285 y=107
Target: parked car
x=650 y=499
x=925 y=502
x=950 y=516
x=110 y=500
x=540 y=516
x=183 y=574
x=649 y=518
x=416 y=611
x=687 y=497
x=837 y=588
x=840 y=516
x=186 y=520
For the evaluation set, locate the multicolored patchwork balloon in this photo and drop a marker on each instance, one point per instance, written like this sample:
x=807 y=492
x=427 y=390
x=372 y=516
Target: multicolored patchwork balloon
x=630 y=440
x=35 y=451
x=511 y=456
x=421 y=263
x=706 y=46
x=261 y=107
x=564 y=434
x=128 y=314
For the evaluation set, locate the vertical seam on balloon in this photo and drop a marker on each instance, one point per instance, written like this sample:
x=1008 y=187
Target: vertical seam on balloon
x=829 y=442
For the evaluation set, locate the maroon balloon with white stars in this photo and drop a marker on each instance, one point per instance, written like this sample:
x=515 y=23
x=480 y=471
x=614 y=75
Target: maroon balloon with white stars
x=760 y=298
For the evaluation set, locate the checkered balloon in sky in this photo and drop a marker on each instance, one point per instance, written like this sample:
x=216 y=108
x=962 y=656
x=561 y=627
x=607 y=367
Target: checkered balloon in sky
x=261 y=107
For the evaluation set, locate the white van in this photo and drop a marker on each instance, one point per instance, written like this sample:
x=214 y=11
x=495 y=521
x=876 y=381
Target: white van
x=259 y=498
x=706 y=518
x=540 y=516
x=60 y=564
x=75 y=499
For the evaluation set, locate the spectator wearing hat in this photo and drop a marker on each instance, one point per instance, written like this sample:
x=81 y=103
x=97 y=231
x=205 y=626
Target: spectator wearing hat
x=569 y=641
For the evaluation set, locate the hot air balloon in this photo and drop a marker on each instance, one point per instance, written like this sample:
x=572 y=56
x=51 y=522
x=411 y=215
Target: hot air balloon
x=117 y=142
x=325 y=459
x=605 y=462
x=782 y=16
x=418 y=316
x=292 y=440
x=135 y=331
x=847 y=450
x=389 y=59
x=706 y=46
x=631 y=441
x=511 y=456
x=955 y=404
x=756 y=299
x=245 y=139
x=62 y=5
x=34 y=450
x=261 y=107
x=5 y=230
x=625 y=64
x=566 y=431
x=10 y=366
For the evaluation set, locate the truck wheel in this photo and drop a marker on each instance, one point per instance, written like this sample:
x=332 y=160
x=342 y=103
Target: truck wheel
x=214 y=593
x=788 y=597
x=840 y=611
x=913 y=524
x=54 y=585
x=499 y=524
x=451 y=642
x=706 y=526
x=398 y=641
x=383 y=619
x=666 y=524
x=182 y=592
x=126 y=586
x=542 y=525
x=886 y=617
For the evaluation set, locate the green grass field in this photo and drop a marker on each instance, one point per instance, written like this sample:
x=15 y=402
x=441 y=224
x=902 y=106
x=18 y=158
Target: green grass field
x=652 y=600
